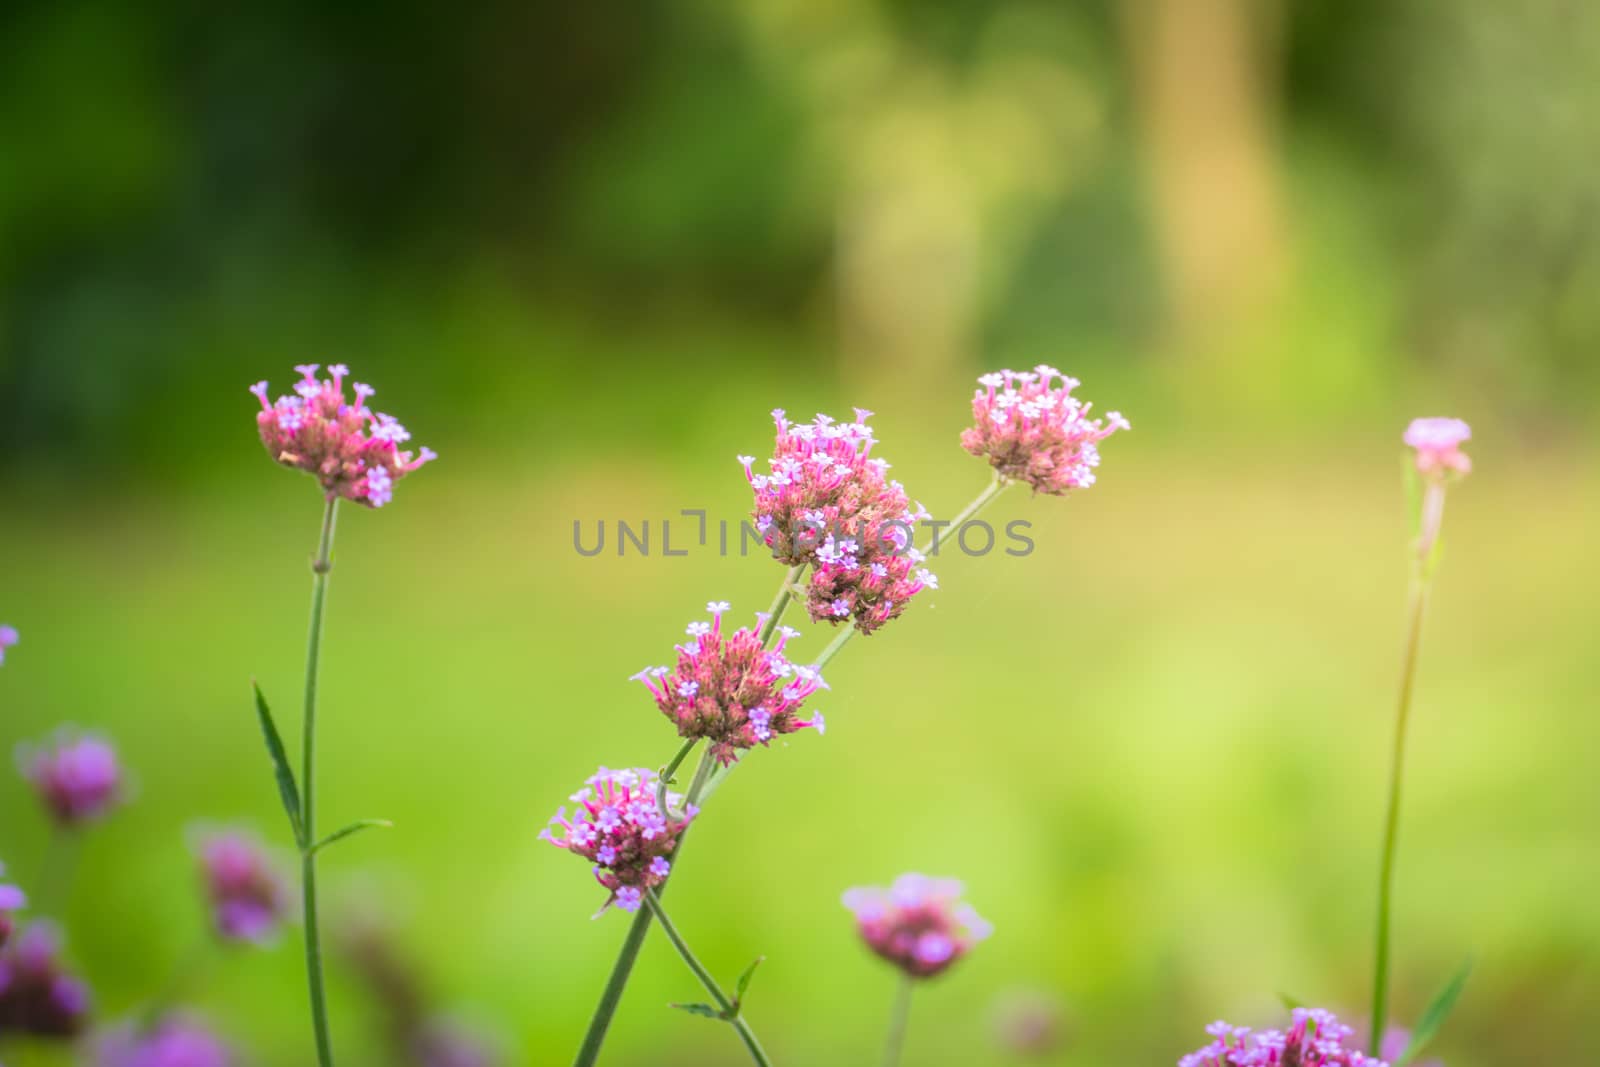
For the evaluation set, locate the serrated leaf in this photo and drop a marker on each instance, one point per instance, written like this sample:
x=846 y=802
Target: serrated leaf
x=744 y=979
x=1290 y=1002
x=287 y=789
x=353 y=828
x=705 y=1011
x=1437 y=1012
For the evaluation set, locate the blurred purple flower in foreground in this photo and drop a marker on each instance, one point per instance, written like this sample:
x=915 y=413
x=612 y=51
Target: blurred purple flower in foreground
x=248 y=899
x=441 y=1043
x=1317 y=1039
x=174 y=1041
x=919 y=924
x=37 y=995
x=351 y=451
x=76 y=776
x=620 y=829
x=1029 y=1022
x=1033 y=432
x=1438 y=443
x=11 y=899
x=8 y=637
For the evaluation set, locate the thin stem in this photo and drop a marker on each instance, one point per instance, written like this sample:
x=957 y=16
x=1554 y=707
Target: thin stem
x=1420 y=584
x=786 y=591
x=899 y=1017
x=320 y=566
x=54 y=891
x=668 y=771
x=725 y=1004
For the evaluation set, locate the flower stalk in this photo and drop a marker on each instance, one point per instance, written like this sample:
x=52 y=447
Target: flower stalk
x=729 y=1008
x=899 y=1020
x=321 y=565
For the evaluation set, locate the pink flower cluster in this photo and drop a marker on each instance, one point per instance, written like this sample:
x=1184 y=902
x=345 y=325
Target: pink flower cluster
x=248 y=898
x=1317 y=1039
x=11 y=899
x=77 y=777
x=172 y=1041
x=352 y=452
x=1034 y=431
x=37 y=993
x=1438 y=445
x=826 y=502
x=8 y=637
x=730 y=690
x=619 y=827
x=919 y=924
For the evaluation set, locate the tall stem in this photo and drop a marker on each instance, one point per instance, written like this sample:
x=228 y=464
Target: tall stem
x=320 y=566
x=899 y=1017
x=1421 y=581
x=725 y=1004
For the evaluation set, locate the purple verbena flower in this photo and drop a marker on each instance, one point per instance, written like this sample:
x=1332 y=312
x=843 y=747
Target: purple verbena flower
x=8 y=637
x=619 y=827
x=1438 y=445
x=12 y=899
x=919 y=924
x=247 y=896
x=1316 y=1039
x=37 y=994
x=76 y=776
x=730 y=690
x=1033 y=431
x=351 y=451
x=443 y=1043
x=171 y=1041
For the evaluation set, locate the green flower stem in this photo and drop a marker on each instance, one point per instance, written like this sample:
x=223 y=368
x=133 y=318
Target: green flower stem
x=308 y=795
x=899 y=1017
x=54 y=883
x=725 y=1004
x=1421 y=583
x=780 y=603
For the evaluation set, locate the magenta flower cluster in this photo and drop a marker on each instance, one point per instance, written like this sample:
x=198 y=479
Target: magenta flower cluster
x=352 y=451
x=8 y=637
x=919 y=924
x=620 y=827
x=38 y=994
x=827 y=502
x=12 y=900
x=1316 y=1039
x=172 y=1041
x=1034 y=431
x=247 y=896
x=77 y=777
x=1438 y=446
x=730 y=690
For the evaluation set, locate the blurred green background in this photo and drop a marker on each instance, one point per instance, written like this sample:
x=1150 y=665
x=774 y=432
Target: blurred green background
x=582 y=250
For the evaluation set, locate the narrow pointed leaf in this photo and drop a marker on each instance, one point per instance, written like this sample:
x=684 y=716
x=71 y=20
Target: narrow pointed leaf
x=280 y=766
x=353 y=828
x=1436 y=1014
x=705 y=1011
x=744 y=979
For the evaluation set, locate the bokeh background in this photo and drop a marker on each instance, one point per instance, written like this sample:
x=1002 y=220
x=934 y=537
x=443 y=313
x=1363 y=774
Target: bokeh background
x=581 y=250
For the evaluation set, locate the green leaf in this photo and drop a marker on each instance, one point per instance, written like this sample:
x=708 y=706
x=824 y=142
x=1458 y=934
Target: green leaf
x=353 y=828
x=1435 y=1015
x=1290 y=1002
x=705 y=1011
x=744 y=979
x=280 y=766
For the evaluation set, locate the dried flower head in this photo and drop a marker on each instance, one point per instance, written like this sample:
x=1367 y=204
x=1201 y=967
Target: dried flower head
x=619 y=827
x=730 y=690
x=919 y=924
x=171 y=1041
x=351 y=451
x=1316 y=1039
x=37 y=994
x=8 y=637
x=12 y=899
x=76 y=776
x=1438 y=444
x=247 y=895
x=1036 y=432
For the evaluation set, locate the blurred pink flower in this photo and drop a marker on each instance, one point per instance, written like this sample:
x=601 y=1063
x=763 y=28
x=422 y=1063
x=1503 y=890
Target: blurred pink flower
x=248 y=899
x=76 y=776
x=351 y=451
x=11 y=899
x=919 y=924
x=1316 y=1039
x=37 y=994
x=173 y=1041
x=1438 y=443
x=1032 y=431
x=8 y=637
x=619 y=827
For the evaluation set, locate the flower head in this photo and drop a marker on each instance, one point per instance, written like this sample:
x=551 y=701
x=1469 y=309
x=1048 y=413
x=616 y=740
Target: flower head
x=827 y=502
x=11 y=899
x=247 y=895
x=441 y=1042
x=8 y=637
x=351 y=451
x=1036 y=432
x=171 y=1041
x=919 y=924
x=37 y=994
x=1029 y=1022
x=619 y=827
x=1316 y=1039
x=731 y=690
x=1438 y=444
x=76 y=776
